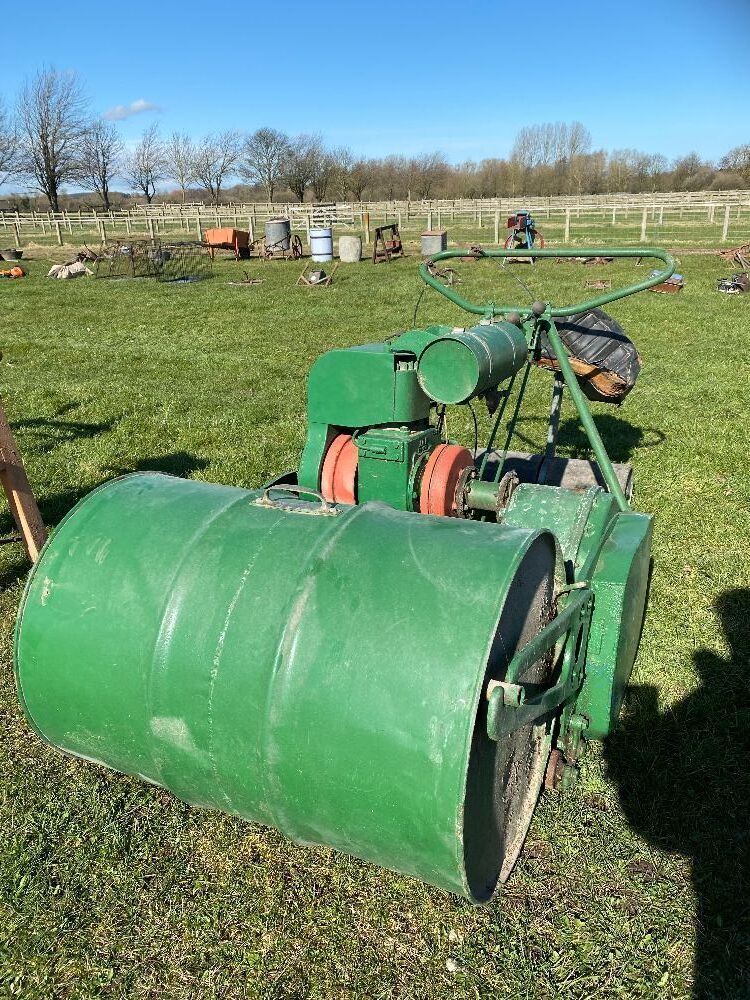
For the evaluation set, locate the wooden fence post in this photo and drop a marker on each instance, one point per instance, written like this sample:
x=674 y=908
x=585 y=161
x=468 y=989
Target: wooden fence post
x=429 y=219
x=17 y=227
x=497 y=227
x=644 y=219
x=566 y=237
x=366 y=224
x=725 y=227
x=59 y=234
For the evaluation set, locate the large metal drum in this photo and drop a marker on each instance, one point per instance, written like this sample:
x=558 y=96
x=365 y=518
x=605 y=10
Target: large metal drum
x=321 y=244
x=321 y=673
x=278 y=234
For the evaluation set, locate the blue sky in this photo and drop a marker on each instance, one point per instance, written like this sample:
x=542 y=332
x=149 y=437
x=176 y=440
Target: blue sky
x=465 y=75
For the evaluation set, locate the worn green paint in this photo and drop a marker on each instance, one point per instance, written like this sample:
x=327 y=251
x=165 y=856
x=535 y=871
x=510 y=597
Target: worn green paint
x=296 y=669
x=390 y=462
x=619 y=580
x=609 y=551
x=384 y=393
x=512 y=704
x=357 y=387
x=483 y=495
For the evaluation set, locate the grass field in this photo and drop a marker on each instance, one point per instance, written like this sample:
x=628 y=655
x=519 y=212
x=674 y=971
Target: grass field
x=631 y=885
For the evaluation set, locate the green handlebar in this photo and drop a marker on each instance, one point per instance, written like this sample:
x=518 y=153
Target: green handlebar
x=491 y=309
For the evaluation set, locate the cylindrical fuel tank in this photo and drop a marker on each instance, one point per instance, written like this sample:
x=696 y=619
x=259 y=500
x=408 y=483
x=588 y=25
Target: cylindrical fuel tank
x=465 y=363
x=321 y=673
x=278 y=233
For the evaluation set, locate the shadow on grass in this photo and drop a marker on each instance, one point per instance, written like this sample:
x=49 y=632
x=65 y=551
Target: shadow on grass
x=620 y=437
x=53 y=508
x=178 y=463
x=52 y=430
x=684 y=781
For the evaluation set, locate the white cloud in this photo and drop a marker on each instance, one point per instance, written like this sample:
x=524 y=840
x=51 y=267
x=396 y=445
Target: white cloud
x=122 y=111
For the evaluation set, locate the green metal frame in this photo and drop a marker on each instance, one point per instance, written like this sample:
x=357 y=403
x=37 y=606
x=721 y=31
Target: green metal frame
x=512 y=705
x=612 y=566
x=491 y=309
x=544 y=320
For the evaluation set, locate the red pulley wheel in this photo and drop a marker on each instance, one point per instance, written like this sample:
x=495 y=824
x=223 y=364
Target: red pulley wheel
x=440 y=479
x=339 y=474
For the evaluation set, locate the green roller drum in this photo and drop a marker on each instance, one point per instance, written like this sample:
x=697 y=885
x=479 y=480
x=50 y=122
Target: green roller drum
x=322 y=670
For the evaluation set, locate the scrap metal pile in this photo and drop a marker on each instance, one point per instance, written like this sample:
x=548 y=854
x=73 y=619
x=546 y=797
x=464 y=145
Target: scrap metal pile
x=737 y=284
x=387 y=650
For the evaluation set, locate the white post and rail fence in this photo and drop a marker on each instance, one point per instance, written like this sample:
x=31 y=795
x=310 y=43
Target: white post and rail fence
x=707 y=219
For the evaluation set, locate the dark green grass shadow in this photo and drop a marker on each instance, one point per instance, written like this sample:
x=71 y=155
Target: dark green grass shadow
x=683 y=776
x=621 y=437
x=55 y=506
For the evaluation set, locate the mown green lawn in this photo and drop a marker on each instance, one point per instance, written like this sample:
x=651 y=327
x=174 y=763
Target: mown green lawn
x=634 y=884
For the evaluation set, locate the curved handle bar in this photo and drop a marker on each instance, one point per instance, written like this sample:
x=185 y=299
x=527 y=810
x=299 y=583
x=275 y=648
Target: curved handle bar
x=492 y=309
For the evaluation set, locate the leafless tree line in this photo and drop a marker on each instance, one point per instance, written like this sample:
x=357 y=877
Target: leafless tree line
x=51 y=142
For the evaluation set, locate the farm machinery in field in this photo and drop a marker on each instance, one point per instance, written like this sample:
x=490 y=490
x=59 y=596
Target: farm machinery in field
x=522 y=232
x=387 y=650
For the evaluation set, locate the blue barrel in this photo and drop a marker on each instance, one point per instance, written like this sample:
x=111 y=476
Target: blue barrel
x=278 y=234
x=321 y=244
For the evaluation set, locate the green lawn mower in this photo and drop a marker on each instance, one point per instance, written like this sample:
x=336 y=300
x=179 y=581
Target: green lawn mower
x=389 y=650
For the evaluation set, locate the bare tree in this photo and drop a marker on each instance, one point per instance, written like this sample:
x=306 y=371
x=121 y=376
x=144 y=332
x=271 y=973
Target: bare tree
x=263 y=159
x=738 y=160
x=179 y=155
x=52 y=122
x=322 y=169
x=215 y=158
x=8 y=145
x=425 y=173
x=360 y=178
x=300 y=167
x=101 y=157
x=146 y=165
x=343 y=161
